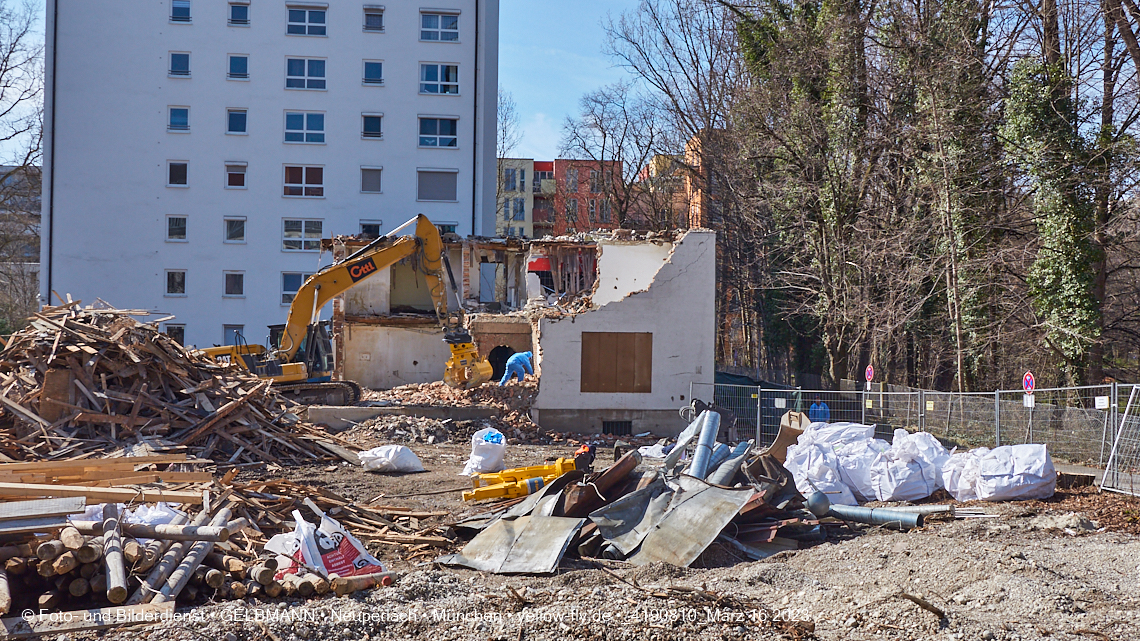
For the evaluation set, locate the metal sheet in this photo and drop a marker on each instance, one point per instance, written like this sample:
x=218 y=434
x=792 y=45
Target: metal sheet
x=697 y=514
x=526 y=545
x=626 y=521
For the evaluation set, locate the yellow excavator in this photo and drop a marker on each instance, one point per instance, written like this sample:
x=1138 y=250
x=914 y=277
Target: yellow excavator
x=301 y=360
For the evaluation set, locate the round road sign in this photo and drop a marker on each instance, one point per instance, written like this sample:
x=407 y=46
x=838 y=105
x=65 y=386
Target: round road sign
x=1028 y=382
x=870 y=373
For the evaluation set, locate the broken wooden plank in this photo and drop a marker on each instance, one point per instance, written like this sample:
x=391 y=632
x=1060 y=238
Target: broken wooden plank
x=100 y=494
x=42 y=507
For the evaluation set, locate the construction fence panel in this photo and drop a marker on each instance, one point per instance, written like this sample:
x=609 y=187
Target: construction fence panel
x=1074 y=422
x=961 y=419
x=889 y=411
x=1122 y=469
x=738 y=399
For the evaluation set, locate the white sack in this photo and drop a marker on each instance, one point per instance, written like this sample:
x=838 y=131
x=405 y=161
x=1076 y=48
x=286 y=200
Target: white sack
x=910 y=470
x=960 y=473
x=390 y=458
x=1016 y=473
x=823 y=452
x=487 y=450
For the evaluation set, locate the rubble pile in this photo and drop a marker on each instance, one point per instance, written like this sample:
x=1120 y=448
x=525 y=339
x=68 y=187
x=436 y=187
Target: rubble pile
x=402 y=429
x=512 y=400
x=87 y=381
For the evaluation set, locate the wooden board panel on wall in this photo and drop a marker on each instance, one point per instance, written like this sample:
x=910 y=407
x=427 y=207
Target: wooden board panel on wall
x=617 y=362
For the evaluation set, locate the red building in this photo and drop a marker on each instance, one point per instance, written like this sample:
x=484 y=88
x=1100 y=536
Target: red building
x=578 y=198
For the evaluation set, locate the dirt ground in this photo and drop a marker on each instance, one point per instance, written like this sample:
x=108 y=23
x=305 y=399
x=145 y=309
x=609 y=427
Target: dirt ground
x=999 y=578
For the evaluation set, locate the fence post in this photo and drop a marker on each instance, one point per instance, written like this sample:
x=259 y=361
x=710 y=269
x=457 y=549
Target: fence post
x=997 y=418
x=922 y=410
x=758 y=396
x=863 y=406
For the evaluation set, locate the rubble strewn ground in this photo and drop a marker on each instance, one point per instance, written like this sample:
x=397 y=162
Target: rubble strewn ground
x=1000 y=578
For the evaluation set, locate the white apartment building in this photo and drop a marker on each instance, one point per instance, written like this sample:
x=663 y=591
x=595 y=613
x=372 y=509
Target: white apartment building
x=197 y=151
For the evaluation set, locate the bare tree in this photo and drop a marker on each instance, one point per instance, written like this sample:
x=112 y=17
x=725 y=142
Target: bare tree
x=507 y=139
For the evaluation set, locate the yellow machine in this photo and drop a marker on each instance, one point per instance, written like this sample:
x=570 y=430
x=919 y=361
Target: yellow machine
x=516 y=482
x=301 y=358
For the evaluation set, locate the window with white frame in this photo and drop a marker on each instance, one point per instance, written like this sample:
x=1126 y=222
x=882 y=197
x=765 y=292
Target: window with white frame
x=236 y=121
x=305 y=181
x=176 y=173
x=371 y=228
x=176 y=229
x=439 y=27
x=447 y=228
x=439 y=78
x=373 y=72
x=593 y=211
x=439 y=132
x=235 y=175
x=304 y=73
x=238 y=67
x=239 y=14
x=520 y=209
x=179 y=119
x=510 y=179
x=607 y=211
x=179 y=64
x=176 y=282
x=301 y=235
x=572 y=184
x=235 y=284
x=234 y=229
x=373 y=18
x=291 y=283
x=305 y=21
x=304 y=126
x=522 y=180
x=180 y=10
x=370 y=180
x=233 y=334
x=177 y=333
x=371 y=125
x=437 y=185
x=572 y=210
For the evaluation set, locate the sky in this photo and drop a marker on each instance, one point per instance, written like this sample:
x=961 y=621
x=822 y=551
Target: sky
x=550 y=54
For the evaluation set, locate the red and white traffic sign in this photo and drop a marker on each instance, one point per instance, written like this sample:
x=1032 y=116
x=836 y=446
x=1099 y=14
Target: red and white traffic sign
x=870 y=373
x=1028 y=382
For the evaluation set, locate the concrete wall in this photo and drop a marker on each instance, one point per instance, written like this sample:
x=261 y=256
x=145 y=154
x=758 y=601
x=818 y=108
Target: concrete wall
x=678 y=307
x=380 y=357
x=625 y=267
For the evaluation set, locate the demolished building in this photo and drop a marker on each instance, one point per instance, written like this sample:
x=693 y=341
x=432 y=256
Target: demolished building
x=620 y=324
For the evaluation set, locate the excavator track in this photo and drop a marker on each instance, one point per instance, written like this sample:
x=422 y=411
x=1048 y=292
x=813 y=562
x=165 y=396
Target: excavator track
x=330 y=393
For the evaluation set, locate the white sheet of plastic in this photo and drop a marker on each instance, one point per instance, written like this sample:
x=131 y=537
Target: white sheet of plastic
x=390 y=458
x=488 y=447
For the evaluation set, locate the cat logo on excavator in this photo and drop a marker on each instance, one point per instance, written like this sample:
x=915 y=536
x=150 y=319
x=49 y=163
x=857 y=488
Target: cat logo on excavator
x=361 y=269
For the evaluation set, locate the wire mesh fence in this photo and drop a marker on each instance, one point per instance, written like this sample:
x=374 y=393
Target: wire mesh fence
x=1079 y=424
x=1122 y=472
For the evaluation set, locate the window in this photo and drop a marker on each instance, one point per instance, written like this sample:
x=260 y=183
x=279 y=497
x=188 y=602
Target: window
x=176 y=228
x=617 y=362
x=522 y=180
x=607 y=211
x=306 y=22
x=373 y=19
x=572 y=184
x=180 y=64
x=447 y=228
x=371 y=126
x=510 y=182
x=540 y=176
x=440 y=185
x=177 y=333
x=239 y=67
x=176 y=174
x=373 y=72
x=233 y=334
x=520 y=209
x=304 y=127
x=572 y=210
x=593 y=211
x=370 y=228
x=304 y=73
x=304 y=181
x=370 y=180
x=236 y=121
x=239 y=14
x=617 y=428
x=439 y=27
x=235 y=284
x=439 y=78
x=175 y=282
x=234 y=230
x=180 y=11
x=439 y=132
x=235 y=175
x=595 y=182
x=179 y=119
x=302 y=235
x=290 y=283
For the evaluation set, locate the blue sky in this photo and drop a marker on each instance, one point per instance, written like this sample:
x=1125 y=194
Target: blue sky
x=550 y=53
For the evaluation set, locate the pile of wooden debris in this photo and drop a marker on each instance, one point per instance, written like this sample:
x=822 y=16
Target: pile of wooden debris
x=78 y=382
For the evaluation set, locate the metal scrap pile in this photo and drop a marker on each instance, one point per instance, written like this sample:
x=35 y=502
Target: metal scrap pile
x=644 y=514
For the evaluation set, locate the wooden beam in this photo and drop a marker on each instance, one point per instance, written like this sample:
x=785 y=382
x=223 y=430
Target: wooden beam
x=42 y=507
x=101 y=463
x=101 y=494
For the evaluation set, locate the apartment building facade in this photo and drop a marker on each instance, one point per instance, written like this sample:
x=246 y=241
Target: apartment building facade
x=197 y=151
x=539 y=198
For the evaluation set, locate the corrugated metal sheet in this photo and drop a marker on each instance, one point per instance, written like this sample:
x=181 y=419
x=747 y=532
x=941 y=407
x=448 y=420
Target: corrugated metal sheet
x=526 y=545
x=697 y=514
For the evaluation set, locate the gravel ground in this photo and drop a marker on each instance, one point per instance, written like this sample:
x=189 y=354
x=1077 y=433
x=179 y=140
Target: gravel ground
x=1033 y=573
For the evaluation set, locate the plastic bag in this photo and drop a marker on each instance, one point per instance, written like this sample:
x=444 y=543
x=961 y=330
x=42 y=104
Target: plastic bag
x=960 y=473
x=326 y=550
x=911 y=469
x=487 y=450
x=835 y=458
x=390 y=458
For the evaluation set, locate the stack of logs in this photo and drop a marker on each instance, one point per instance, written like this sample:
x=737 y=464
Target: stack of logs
x=77 y=382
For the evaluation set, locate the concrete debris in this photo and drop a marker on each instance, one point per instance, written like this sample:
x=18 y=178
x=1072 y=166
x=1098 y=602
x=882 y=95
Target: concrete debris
x=1071 y=522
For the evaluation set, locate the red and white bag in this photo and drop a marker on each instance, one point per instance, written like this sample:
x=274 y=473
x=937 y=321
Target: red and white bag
x=326 y=550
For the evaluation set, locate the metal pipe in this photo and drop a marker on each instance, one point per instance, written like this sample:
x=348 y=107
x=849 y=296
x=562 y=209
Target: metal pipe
x=700 y=465
x=924 y=509
x=721 y=453
x=727 y=470
x=894 y=519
